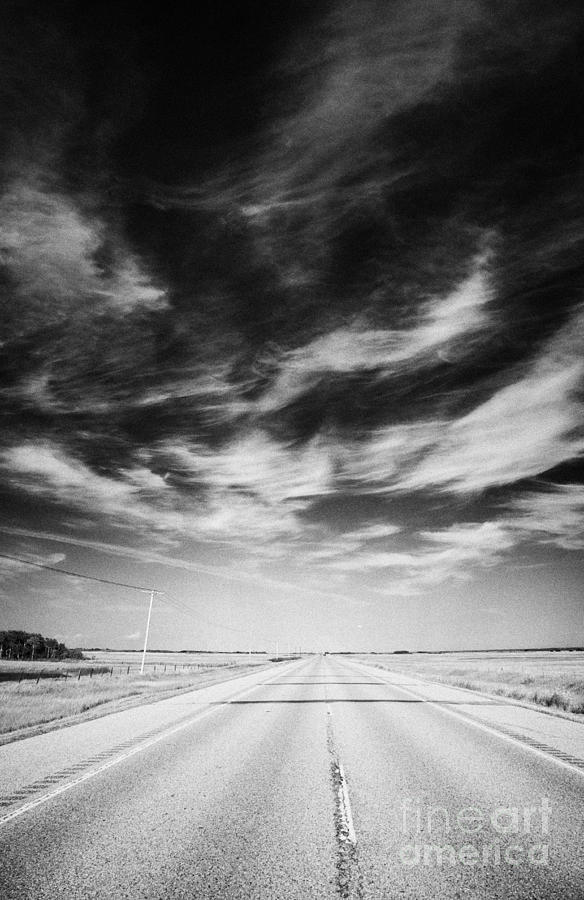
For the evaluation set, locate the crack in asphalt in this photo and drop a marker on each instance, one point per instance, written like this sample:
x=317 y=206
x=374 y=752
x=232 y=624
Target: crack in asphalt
x=348 y=878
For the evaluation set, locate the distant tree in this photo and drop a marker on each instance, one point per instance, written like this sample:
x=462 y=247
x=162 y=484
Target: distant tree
x=24 y=645
x=15 y=644
x=51 y=648
x=35 y=644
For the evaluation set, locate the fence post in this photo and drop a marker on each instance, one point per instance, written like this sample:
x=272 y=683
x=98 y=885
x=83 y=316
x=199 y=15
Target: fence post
x=79 y=674
x=91 y=672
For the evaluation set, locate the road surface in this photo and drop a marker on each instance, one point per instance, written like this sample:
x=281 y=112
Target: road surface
x=320 y=778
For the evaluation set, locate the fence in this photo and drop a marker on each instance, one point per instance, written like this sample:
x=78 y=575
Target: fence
x=104 y=671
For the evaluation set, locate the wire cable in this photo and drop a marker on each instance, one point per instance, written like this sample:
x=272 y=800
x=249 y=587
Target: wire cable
x=28 y=562
x=178 y=605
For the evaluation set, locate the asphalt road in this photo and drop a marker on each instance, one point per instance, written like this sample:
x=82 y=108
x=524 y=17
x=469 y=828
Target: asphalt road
x=320 y=778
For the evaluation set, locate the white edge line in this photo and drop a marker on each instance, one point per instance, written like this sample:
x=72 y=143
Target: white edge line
x=500 y=698
x=44 y=798
x=490 y=729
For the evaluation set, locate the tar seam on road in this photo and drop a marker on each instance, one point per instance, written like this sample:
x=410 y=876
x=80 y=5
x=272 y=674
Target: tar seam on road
x=349 y=879
x=137 y=745
x=551 y=754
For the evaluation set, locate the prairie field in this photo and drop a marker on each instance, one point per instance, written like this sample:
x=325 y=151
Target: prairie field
x=550 y=679
x=157 y=660
x=105 y=679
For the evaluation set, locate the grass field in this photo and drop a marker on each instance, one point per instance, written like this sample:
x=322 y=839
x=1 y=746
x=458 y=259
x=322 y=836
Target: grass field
x=161 y=659
x=121 y=660
x=29 y=703
x=554 y=680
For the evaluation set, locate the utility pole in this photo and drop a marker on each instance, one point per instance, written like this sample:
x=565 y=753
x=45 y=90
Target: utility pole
x=147 y=631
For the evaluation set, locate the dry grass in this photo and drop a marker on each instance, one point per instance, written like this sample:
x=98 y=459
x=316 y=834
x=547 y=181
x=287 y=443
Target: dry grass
x=28 y=703
x=554 y=680
x=121 y=660
x=158 y=659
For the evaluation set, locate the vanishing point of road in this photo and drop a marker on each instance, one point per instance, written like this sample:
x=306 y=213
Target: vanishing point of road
x=318 y=778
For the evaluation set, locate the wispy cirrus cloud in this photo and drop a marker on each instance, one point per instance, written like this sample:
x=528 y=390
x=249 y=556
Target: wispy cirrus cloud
x=552 y=515
x=442 y=325
x=46 y=469
x=435 y=558
x=274 y=471
x=363 y=63
x=525 y=428
x=250 y=491
x=253 y=487
x=50 y=249
x=464 y=544
x=206 y=386
x=351 y=543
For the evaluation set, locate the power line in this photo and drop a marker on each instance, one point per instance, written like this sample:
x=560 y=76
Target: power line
x=178 y=605
x=27 y=562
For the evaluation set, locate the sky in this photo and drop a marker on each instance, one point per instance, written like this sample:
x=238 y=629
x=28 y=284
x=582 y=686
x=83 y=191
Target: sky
x=292 y=323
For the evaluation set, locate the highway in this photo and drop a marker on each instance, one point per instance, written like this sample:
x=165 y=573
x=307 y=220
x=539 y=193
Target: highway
x=318 y=778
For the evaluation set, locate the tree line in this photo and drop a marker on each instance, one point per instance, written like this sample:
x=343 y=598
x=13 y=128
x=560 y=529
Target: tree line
x=24 y=645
